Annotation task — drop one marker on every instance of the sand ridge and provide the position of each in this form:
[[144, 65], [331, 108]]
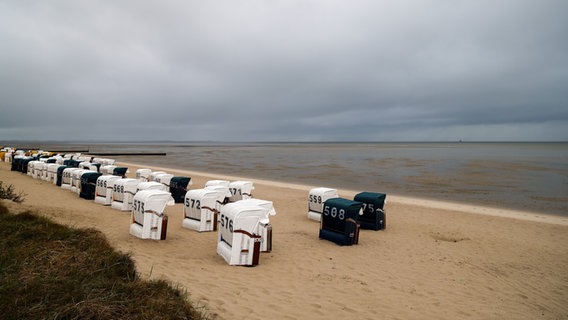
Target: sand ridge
[[433, 261]]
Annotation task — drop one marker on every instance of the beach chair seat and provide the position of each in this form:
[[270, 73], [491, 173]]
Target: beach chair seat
[[200, 211], [316, 199], [89, 184], [104, 189], [143, 174], [374, 214], [123, 193], [264, 226], [178, 186], [147, 218], [240, 190], [150, 185], [238, 240], [339, 221]]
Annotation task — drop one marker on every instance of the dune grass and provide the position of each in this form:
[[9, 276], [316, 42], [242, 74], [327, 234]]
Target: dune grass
[[49, 271]]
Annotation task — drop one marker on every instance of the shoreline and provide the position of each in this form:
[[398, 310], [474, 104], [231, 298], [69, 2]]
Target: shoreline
[[432, 261]]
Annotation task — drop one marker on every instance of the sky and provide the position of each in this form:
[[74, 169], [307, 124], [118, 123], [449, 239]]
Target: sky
[[310, 70]]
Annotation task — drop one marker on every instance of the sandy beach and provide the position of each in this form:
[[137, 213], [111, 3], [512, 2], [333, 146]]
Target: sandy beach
[[435, 260]]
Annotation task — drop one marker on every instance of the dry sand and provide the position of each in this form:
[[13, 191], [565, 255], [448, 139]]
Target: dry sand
[[435, 260]]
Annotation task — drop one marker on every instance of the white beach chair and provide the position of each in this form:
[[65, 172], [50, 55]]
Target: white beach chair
[[52, 172], [147, 218], [238, 238], [264, 226], [153, 174], [104, 189], [143, 174], [200, 210], [316, 198], [164, 178], [66, 177], [224, 193], [212, 183], [76, 179], [123, 193], [240, 190], [150, 185]]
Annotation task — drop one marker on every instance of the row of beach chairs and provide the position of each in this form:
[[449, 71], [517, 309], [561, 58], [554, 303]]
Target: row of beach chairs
[[228, 208], [242, 222]]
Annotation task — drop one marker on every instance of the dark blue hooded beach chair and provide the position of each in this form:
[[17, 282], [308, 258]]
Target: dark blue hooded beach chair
[[178, 188], [374, 215], [339, 221], [89, 185]]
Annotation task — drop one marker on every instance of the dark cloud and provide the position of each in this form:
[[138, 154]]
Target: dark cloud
[[284, 70]]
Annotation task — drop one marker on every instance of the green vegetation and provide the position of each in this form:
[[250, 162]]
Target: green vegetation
[[8, 193], [49, 271]]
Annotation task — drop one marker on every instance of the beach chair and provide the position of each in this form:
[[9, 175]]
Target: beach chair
[[74, 163], [178, 187], [212, 183], [374, 215], [107, 169], [238, 238], [150, 185], [147, 218], [76, 180], [200, 211], [123, 193], [143, 174], [339, 221], [91, 166], [40, 169], [31, 171], [37, 169], [66, 180], [153, 174], [240, 190], [224, 191], [316, 198], [8, 157], [104, 189], [89, 184], [52, 172], [264, 226], [103, 161], [165, 179], [59, 177]]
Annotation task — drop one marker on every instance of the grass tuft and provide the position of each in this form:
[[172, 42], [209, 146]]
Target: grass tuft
[[49, 271], [9, 193]]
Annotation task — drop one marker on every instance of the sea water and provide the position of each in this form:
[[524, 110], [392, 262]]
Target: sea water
[[524, 176]]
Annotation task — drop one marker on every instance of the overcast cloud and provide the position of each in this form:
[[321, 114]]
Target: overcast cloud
[[284, 70]]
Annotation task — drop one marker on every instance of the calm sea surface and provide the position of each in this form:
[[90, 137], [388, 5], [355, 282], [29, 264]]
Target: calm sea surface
[[526, 176]]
